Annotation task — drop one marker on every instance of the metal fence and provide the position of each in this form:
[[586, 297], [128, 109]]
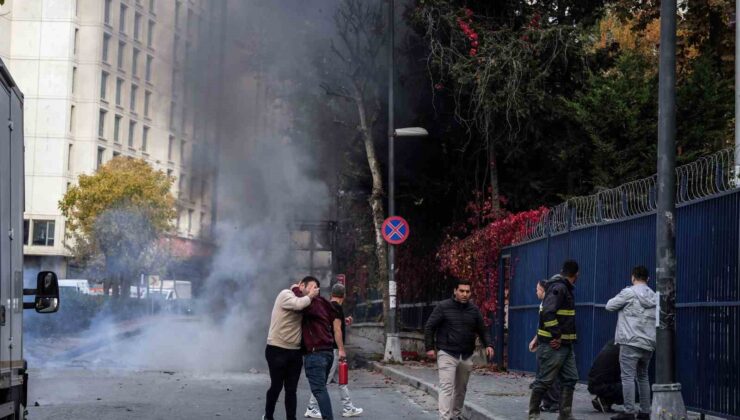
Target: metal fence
[[411, 316], [705, 177], [610, 232]]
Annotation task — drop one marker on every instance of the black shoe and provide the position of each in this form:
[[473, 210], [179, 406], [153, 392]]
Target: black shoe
[[552, 408], [623, 416], [643, 416]]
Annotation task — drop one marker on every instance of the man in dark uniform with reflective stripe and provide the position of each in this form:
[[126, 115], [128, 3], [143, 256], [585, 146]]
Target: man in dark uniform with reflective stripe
[[556, 333]]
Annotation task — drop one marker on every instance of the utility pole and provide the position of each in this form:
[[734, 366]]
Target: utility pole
[[392, 341], [667, 398], [737, 95]]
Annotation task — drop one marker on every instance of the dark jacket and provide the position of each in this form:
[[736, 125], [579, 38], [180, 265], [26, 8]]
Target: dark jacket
[[605, 369], [453, 327], [318, 324], [558, 314]]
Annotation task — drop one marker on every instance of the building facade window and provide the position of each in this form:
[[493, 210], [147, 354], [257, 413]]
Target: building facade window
[[121, 52], [101, 124], [170, 145], [101, 155], [134, 92], [144, 138], [43, 232], [147, 102], [182, 152], [106, 47], [117, 129], [131, 133], [175, 48], [26, 230], [182, 184], [74, 80], [116, 154], [122, 19], [135, 63], [72, 119], [190, 220], [106, 12], [148, 70], [119, 91], [177, 14], [69, 157], [76, 41], [137, 26], [172, 115], [150, 34], [103, 85]]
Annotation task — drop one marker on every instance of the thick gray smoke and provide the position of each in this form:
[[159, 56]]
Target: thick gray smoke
[[267, 181]]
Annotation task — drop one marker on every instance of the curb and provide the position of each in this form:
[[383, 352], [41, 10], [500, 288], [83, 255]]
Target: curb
[[471, 411]]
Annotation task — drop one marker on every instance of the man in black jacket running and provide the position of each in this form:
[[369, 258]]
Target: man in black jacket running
[[453, 325]]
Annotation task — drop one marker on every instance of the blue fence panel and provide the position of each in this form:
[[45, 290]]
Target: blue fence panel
[[708, 293]]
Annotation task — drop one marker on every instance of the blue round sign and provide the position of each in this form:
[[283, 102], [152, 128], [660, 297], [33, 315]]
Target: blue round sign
[[395, 230]]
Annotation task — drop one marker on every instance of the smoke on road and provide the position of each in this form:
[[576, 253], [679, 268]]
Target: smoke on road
[[269, 176]]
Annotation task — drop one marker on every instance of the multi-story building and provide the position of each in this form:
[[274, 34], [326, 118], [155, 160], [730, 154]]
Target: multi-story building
[[104, 78]]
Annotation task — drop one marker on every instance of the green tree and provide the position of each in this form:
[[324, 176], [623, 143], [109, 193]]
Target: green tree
[[115, 217]]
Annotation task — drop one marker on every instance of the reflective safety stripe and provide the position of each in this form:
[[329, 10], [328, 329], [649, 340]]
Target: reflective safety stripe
[[552, 323], [568, 336], [544, 333], [566, 312]]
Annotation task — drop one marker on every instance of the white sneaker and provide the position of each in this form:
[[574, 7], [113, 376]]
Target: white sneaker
[[352, 412], [313, 413]]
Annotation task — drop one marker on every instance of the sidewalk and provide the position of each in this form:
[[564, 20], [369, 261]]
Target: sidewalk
[[491, 395]]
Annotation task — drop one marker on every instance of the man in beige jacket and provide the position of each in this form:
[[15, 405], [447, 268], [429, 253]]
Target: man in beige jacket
[[283, 352]]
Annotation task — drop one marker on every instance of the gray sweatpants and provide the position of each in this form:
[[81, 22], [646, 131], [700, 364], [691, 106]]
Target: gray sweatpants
[[634, 363]]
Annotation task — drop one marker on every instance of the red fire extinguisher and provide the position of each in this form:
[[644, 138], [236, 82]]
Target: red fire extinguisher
[[343, 372]]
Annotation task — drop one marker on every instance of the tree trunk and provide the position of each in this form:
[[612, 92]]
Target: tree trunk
[[375, 201], [493, 169]]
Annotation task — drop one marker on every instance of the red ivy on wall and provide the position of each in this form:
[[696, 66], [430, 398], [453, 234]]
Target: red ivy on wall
[[475, 256]]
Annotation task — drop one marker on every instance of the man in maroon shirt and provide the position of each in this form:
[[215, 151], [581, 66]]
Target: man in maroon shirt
[[318, 345]]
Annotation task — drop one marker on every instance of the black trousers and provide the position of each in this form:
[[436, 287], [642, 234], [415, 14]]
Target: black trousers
[[285, 370]]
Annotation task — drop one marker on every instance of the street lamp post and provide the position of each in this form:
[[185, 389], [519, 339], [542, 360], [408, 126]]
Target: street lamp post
[[392, 341], [667, 399]]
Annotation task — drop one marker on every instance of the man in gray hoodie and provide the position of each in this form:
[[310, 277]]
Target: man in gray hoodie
[[635, 336]]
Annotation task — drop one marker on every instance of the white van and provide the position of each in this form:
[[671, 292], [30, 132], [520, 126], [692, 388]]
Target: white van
[[80, 286]]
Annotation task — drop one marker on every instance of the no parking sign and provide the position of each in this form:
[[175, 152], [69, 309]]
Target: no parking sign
[[395, 230]]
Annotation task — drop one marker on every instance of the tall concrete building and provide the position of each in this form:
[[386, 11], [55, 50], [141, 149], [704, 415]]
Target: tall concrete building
[[104, 78]]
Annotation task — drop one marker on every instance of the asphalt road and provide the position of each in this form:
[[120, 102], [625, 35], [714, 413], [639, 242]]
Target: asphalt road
[[95, 394]]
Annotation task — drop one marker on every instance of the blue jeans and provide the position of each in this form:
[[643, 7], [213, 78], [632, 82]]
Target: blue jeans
[[317, 367]]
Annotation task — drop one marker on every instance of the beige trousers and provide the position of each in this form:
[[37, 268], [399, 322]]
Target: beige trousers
[[453, 383]]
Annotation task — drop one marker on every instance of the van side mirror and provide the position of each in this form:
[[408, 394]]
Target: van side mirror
[[46, 293]]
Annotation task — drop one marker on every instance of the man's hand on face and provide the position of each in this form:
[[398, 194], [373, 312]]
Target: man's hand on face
[[431, 355], [313, 292], [489, 352], [555, 343]]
